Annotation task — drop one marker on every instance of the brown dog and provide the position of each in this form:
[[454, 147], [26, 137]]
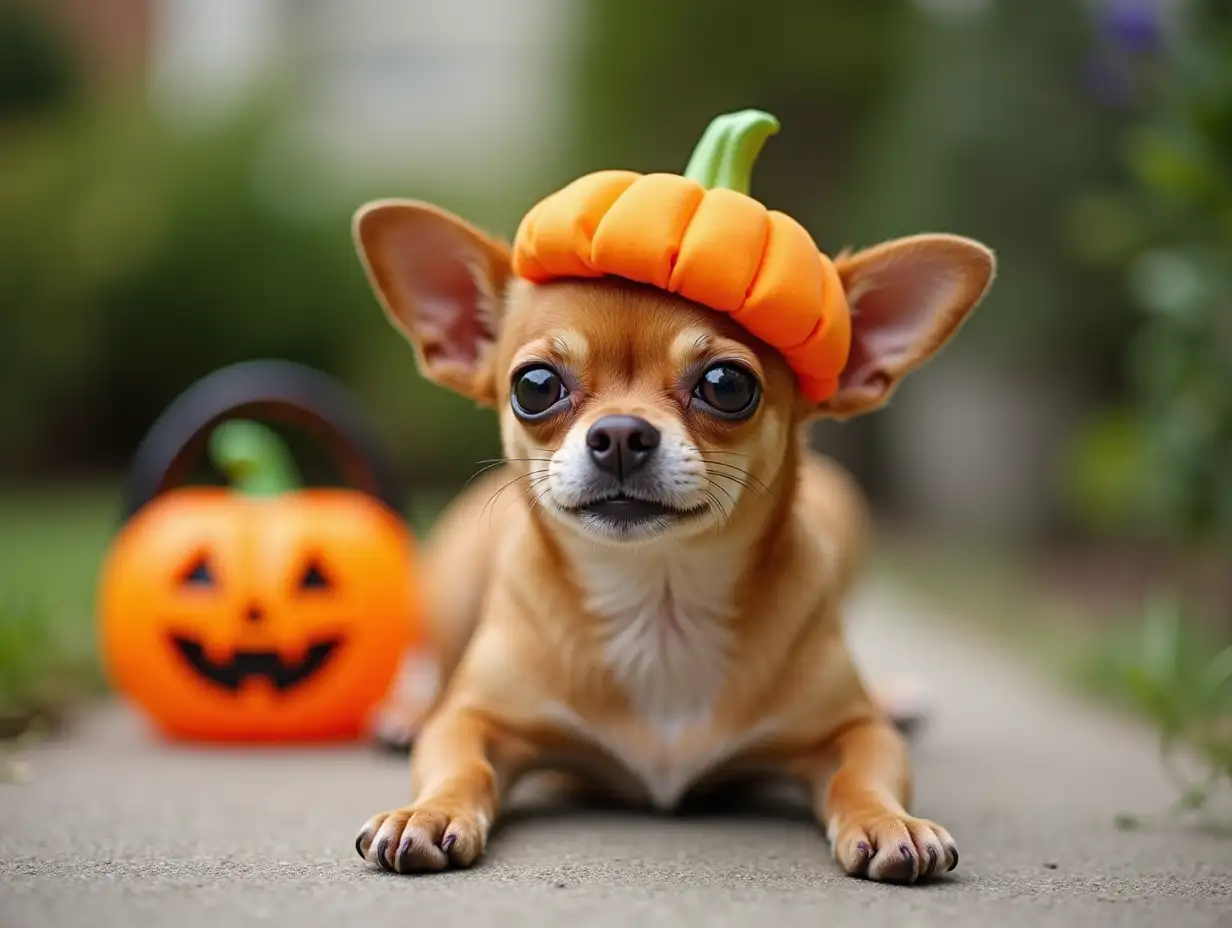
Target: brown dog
[[655, 601]]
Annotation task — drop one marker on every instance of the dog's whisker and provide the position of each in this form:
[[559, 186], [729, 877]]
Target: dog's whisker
[[490, 463], [513, 460], [535, 502], [740, 483], [717, 512], [483, 470], [723, 490], [533, 485], [738, 470], [759, 488], [744, 476], [489, 507]]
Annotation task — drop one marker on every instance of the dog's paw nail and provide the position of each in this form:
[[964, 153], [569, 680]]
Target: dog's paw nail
[[863, 848], [448, 843], [952, 852], [359, 843], [381, 859], [404, 851], [905, 850]]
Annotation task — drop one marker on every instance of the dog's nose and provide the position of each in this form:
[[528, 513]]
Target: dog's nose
[[620, 445]]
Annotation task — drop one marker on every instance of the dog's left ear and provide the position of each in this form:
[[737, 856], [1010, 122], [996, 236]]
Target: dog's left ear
[[907, 297], [442, 283]]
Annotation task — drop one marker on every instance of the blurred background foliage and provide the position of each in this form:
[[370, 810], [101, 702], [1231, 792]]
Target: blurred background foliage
[[139, 255], [1159, 463], [1083, 418]]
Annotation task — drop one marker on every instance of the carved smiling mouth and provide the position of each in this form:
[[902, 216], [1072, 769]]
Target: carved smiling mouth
[[623, 510], [266, 665]]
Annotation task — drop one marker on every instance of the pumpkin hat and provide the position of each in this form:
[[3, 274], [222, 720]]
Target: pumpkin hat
[[701, 235]]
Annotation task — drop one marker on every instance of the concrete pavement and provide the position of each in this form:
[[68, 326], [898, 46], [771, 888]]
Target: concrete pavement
[[115, 829]]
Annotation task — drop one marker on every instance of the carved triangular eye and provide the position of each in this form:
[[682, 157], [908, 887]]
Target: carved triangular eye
[[314, 578], [198, 573]]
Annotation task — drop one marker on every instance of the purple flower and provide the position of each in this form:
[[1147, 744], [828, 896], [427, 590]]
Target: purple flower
[[1134, 25]]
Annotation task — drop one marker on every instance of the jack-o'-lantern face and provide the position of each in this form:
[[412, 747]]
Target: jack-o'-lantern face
[[265, 662], [258, 618]]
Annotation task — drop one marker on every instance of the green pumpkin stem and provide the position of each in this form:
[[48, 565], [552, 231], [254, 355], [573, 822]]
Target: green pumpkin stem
[[728, 149], [254, 458]]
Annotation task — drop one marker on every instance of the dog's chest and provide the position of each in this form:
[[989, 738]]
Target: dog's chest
[[666, 632], [667, 643]]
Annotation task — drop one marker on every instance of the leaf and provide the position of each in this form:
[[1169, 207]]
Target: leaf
[[1161, 639], [1127, 822], [1194, 798], [1168, 283], [1218, 673]]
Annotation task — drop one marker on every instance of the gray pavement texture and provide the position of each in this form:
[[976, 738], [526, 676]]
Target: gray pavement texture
[[114, 828]]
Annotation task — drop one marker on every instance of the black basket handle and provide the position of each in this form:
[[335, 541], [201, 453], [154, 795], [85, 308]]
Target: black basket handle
[[272, 391]]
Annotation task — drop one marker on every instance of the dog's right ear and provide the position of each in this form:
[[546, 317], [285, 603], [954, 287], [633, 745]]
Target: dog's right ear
[[441, 282]]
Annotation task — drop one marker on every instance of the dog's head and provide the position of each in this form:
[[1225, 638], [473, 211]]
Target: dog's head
[[631, 413]]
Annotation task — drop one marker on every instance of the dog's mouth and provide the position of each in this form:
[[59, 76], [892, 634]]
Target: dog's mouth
[[267, 665], [624, 511]]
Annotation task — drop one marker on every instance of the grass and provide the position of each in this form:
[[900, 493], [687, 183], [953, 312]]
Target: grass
[[1170, 671], [52, 541]]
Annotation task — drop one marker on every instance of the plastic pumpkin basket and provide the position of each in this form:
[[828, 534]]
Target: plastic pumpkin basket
[[262, 610]]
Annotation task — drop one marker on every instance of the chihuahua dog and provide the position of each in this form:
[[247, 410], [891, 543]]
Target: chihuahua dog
[[655, 603]]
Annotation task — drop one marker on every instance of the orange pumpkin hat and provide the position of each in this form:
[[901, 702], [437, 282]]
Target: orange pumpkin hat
[[702, 236]]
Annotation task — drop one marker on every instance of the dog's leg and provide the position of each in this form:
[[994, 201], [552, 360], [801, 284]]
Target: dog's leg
[[454, 570], [863, 807], [396, 721], [462, 764]]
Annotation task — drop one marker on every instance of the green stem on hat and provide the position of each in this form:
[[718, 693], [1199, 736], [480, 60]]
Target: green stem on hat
[[729, 147], [254, 458]]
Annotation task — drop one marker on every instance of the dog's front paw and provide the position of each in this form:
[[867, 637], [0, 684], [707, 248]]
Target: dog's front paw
[[422, 838], [894, 848]]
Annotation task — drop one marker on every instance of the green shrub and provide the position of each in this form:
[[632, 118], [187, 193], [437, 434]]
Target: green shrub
[[36, 69], [138, 257], [1175, 234]]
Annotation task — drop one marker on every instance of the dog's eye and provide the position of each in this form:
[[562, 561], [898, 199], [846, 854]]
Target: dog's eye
[[536, 390], [729, 390]]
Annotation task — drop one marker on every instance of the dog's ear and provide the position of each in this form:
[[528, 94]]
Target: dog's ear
[[907, 297], [441, 282]]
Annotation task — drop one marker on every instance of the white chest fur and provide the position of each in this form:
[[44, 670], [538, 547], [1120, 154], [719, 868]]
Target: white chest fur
[[668, 643], [666, 620]]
